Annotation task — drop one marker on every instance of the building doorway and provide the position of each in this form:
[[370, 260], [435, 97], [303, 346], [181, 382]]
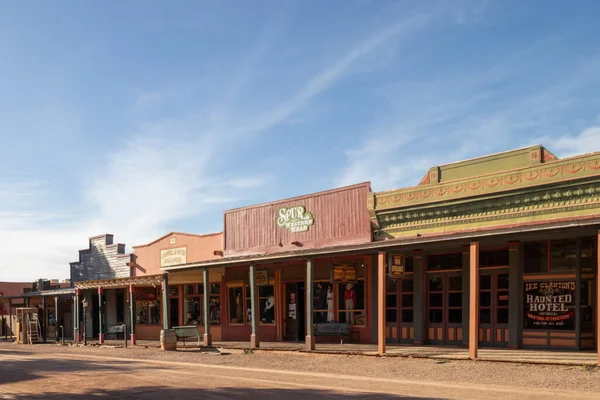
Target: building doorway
[[399, 310], [444, 308], [493, 308], [294, 311]]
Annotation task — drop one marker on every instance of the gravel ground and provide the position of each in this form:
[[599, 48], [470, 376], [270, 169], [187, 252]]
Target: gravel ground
[[526, 375]]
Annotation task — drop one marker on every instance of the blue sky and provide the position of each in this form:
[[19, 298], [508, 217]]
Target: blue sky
[[138, 118]]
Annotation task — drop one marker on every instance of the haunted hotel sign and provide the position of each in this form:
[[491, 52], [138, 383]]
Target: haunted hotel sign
[[296, 219], [550, 305]]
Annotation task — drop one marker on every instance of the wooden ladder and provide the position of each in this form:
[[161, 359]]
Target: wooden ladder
[[33, 329]]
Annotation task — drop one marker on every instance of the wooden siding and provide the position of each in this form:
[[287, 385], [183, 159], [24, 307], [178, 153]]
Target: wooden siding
[[340, 217]]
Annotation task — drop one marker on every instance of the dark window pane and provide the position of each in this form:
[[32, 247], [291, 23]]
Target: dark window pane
[[391, 286], [390, 300], [454, 261], [498, 258], [236, 306], [173, 291], [502, 298], [436, 300], [409, 266], [436, 284], [455, 283], [485, 316], [455, 299], [189, 289], [503, 281], [407, 300], [435, 316], [563, 255], [589, 258], [502, 315], [407, 315], [391, 316], [267, 291], [485, 299], [435, 263], [535, 257], [200, 289], [587, 309], [407, 285], [267, 310], [215, 288], [485, 282], [455, 316]]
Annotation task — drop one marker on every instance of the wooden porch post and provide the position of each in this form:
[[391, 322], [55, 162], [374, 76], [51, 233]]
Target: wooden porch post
[[254, 339], [597, 300], [56, 318], [76, 315], [310, 337], [474, 300], [45, 319], [381, 281], [419, 298], [132, 314], [100, 317], [279, 305], [207, 335]]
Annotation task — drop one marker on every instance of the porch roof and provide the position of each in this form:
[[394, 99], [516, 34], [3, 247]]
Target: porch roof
[[146, 280], [397, 244]]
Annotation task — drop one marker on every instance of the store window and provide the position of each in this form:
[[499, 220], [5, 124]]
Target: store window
[[147, 306], [323, 302], [535, 257], [351, 302], [549, 304], [236, 305], [192, 306], [214, 305], [266, 304], [174, 305], [496, 258], [589, 254], [587, 306], [563, 255], [455, 299], [444, 262]]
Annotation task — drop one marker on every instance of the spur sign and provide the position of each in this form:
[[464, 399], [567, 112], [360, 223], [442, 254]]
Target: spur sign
[[296, 219]]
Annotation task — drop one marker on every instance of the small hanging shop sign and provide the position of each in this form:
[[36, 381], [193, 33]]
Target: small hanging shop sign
[[344, 273], [550, 305], [261, 277], [397, 266], [296, 219]]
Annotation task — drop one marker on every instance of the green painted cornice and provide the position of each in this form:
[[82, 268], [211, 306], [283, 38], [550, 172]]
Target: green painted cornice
[[536, 175], [562, 200]]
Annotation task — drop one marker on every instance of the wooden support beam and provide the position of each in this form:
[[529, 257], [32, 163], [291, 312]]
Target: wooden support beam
[[206, 309], [381, 281], [598, 299], [474, 300], [100, 317], [254, 339], [310, 337]]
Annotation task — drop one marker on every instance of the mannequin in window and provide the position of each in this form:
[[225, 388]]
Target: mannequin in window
[[349, 301], [238, 308], [269, 313], [329, 304]]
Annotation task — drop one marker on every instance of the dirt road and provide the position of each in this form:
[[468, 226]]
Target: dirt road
[[29, 374]]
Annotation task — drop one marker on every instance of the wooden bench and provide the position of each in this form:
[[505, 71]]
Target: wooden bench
[[183, 332], [340, 329], [114, 331]]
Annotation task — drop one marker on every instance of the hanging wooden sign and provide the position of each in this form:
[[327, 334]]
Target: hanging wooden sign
[[397, 265], [344, 273]]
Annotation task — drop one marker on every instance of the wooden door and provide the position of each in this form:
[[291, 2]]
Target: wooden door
[[444, 308], [493, 308], [292, 312]]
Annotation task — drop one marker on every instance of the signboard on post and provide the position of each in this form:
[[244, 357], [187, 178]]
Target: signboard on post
[[344, 273], [261, 277], [296, 219], [397, 265], [549, 305]]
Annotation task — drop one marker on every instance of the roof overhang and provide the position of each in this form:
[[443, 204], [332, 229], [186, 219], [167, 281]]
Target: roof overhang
[[394, 244], [44, 293], [148, 280]]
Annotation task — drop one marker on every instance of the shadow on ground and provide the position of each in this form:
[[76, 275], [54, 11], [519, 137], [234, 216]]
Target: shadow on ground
[[220, 393]]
